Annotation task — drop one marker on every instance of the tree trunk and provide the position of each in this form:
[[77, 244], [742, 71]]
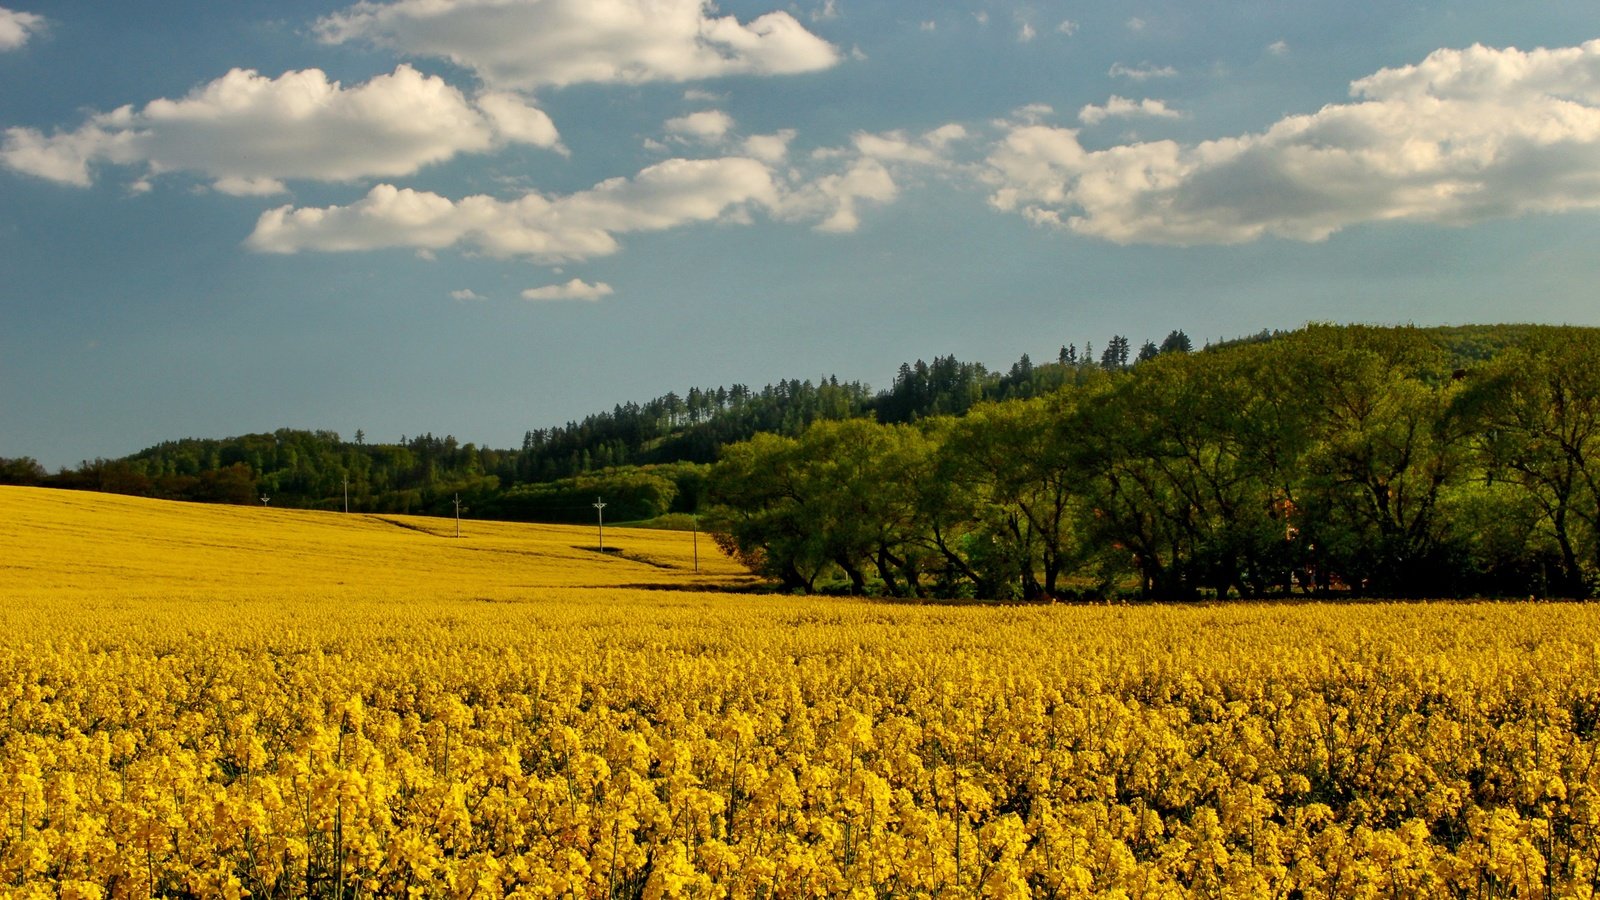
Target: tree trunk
[[858, 581]]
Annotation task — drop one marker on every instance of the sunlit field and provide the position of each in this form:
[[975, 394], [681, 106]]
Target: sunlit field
[[91, 547], [228, 701]]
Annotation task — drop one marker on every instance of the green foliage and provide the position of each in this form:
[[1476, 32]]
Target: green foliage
[[1379, 461], [1394, 461], [630, 494], [24, 470]]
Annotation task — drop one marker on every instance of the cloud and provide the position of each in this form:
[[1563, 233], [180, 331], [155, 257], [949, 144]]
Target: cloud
[[1141, 72], [1031, 114], [828, 189], [828, 10], [466, 295], [545, 229], [865, 173], [17, 27], [895, 146], [770, 148], [707, 126], [1122, 107], [1137, 24], [518, 122], [1026, 33], [527, 44], [576, 289], [1278, 48], [61, 157], [1462, 137], [834, 199], [945, 135], [235, 186], [249, 132], [1067, 27], [927, 149]]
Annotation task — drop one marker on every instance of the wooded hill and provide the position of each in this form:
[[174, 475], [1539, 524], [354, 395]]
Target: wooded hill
[[1389, 462], [635, 451], [1334, 459]]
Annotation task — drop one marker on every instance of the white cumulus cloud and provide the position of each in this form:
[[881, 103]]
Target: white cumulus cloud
[[576, 289], [829, 190], [527, 44], [707, 125], [249, 132], [1122, 107], [865, 172], [516, 121], [1464, 136], [545, 229], [770, 148], [17, 27], [835, 198]]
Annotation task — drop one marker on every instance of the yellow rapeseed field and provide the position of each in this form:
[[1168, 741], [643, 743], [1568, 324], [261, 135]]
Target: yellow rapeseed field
[[210, 701]]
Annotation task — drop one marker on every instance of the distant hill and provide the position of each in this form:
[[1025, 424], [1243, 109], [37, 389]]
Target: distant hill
[[649, 456], [97, 547]]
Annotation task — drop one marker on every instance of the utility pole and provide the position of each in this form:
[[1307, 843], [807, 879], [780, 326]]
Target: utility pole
[[347, 494], [458, 515], [264, 499], [696, 521], [600, 512]]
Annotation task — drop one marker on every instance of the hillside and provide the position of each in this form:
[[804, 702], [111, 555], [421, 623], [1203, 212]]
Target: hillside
[[103, 547], [650, 458]]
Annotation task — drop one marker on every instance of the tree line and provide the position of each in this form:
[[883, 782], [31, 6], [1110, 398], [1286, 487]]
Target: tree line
[[1385, 462], [620, 451], [1333, 459]]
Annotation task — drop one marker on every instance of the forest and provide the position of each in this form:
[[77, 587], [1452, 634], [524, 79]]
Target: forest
[[1378, 462], [637, 450], [1332, 460]]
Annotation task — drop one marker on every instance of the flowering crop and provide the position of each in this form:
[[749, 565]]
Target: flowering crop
[[484, 721]]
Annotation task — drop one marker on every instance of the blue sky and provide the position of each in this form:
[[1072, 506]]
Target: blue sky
[[478, 217]]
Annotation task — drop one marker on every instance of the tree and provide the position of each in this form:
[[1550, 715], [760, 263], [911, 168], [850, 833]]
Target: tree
[[23, 470], [759, 517], [1536, 422], [1115, 356], [1388, 446], [1192, 462], [1015, 460], [234, 484], [856, 483]]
